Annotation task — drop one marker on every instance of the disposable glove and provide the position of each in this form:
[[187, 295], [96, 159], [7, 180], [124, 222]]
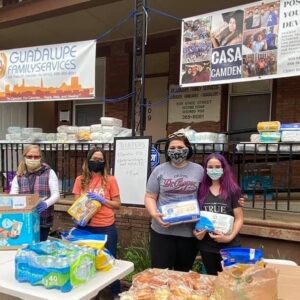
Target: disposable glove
[[96, 197], [79, 223], [41, 207]]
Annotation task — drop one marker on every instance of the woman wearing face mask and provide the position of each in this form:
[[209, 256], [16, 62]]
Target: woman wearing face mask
[[36, 177], [173, 246], [219, 193], [103, 188]]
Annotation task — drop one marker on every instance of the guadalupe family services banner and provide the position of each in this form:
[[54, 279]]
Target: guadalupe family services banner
[[51, 72], [260, 40]]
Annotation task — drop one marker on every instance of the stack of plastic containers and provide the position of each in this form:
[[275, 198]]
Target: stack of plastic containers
[[53, 264]]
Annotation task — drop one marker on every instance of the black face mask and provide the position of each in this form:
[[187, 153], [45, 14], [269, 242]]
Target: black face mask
[[96, 166]]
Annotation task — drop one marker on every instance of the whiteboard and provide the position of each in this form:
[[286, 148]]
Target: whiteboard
[[131, 168]]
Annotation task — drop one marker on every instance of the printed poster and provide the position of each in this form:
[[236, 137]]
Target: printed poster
[[48, 73], [260, 40]]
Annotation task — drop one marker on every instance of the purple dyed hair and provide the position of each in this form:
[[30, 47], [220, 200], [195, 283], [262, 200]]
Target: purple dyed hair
[[229, 186]]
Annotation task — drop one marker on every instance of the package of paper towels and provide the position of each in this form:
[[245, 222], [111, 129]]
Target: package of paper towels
[[180, 212], [214, 222]]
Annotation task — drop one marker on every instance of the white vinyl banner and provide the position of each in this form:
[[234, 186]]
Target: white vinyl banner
[[51, 72], [260, 40]]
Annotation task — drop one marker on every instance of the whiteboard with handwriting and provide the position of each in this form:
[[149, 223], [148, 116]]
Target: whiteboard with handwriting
[[131, 168]]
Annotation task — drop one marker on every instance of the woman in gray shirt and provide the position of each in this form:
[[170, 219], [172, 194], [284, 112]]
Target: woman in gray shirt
[[173, 246]]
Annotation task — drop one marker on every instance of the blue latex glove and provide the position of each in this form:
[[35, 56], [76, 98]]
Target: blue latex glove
[[79, 223], [96, 197], [41, 207]]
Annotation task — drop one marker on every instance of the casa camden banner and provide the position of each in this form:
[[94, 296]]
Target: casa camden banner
[[260, 40], [48, 73]]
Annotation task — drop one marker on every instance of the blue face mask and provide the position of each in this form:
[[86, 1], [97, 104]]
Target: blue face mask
[[215, 174]]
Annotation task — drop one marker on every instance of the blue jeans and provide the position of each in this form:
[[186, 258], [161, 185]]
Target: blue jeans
[[111, 246]]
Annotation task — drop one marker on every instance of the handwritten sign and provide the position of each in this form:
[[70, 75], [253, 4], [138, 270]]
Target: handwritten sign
[[194, 104], [131, 168]]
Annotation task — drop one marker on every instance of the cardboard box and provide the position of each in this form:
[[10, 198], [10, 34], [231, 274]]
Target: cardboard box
[[19, 221]]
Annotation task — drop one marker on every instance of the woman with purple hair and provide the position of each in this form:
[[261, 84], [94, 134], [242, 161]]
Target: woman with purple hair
[[218, 193]]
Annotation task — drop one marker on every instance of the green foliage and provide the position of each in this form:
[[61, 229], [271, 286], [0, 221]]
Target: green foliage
[[139, 255], [198, 266]]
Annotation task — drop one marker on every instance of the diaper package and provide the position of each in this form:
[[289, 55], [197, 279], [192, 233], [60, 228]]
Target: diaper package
[[268, 126], [213, 222], [180, 212], [83, 209], [269, 137], [234, 256]]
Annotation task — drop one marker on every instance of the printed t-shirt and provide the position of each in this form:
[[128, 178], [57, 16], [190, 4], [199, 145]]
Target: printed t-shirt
[[173, 185], [105, 215], [218, 205]]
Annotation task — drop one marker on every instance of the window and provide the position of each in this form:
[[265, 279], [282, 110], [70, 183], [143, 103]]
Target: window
[[88, 112], [249, 103]]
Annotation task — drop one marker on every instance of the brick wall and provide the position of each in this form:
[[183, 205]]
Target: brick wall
[[288, 100]]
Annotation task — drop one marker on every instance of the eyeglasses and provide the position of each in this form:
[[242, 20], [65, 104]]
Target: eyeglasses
[[32, 156], [179, 134]]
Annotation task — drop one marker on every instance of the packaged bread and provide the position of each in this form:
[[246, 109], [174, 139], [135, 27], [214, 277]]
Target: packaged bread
[[268, 126]]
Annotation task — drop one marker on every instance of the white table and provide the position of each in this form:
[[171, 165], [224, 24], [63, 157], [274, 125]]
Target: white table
[[10, 286], [7, 255]]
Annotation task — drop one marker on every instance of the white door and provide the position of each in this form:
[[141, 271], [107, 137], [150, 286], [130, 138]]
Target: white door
[[156, 93], [12, 114]]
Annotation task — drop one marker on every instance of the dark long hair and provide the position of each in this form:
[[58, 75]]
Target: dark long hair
[[229, 185], [86, 173]]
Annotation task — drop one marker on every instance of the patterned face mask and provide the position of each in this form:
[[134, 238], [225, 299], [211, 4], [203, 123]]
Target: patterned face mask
[[215, 174], [177, 156]]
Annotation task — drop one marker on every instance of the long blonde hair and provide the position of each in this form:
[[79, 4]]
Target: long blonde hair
[[87, 174], [22, 169]]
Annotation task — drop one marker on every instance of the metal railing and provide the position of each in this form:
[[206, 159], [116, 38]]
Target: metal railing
[[269, 174]]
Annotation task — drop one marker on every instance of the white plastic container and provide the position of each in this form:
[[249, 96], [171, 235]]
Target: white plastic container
[[62, 137], [206, 137], [51, 137], [30, 130], [96, 128], [84, 129], [72, 129], [97, 136], [114, 130], [108, 121], [14, 129]]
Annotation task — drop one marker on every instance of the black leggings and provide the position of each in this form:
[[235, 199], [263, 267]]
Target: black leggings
[[212, 262], [172, 252]]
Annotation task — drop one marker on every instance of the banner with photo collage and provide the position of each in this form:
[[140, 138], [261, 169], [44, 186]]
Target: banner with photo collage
[[260, 40]]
